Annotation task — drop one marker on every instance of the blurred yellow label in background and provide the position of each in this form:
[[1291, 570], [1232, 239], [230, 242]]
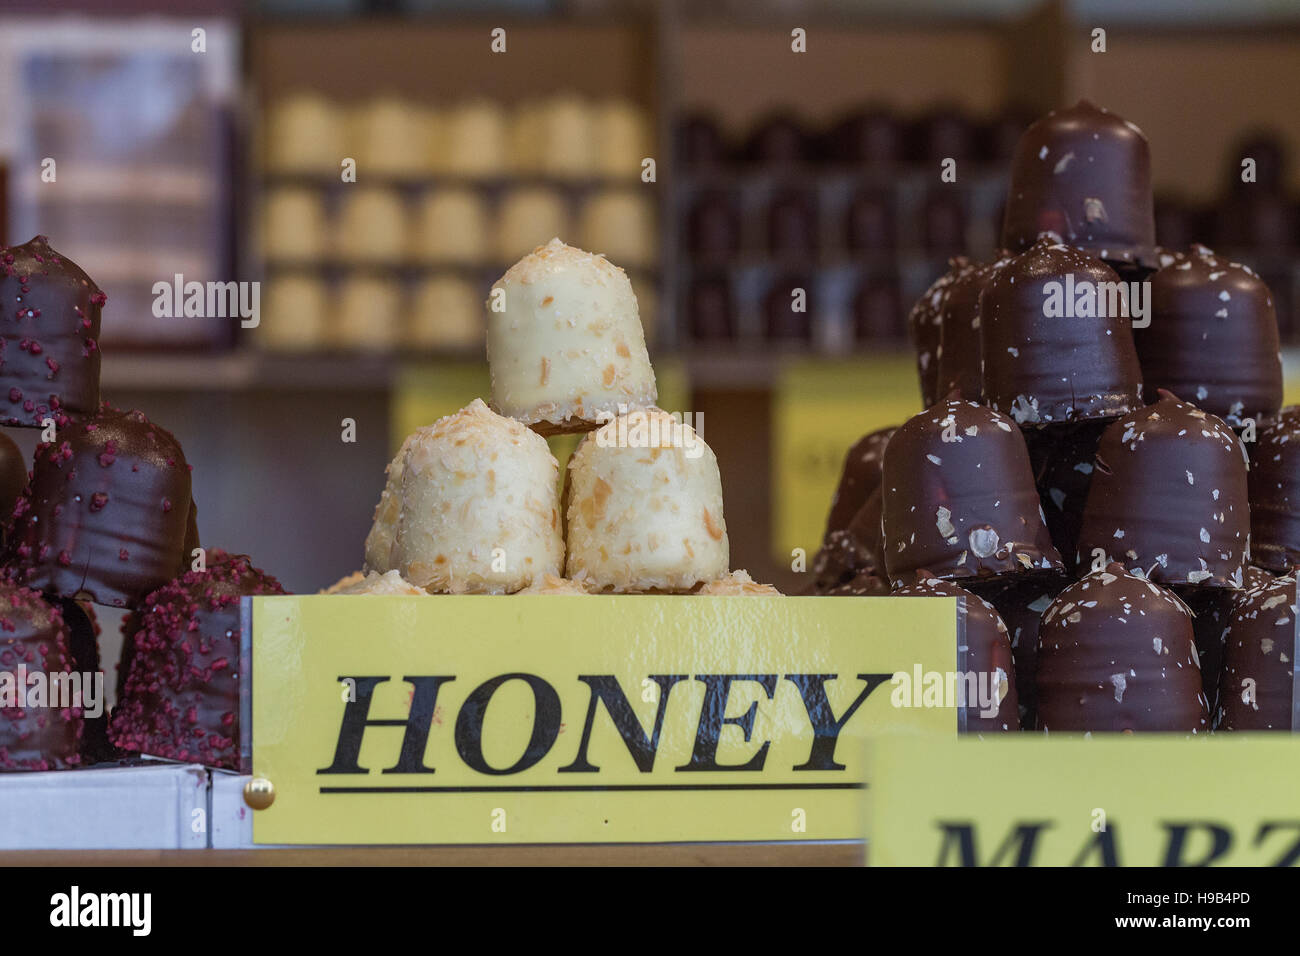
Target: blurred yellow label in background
[[819, 409], [1030, 800], [426, 391], [1290, 376], [573, 719]]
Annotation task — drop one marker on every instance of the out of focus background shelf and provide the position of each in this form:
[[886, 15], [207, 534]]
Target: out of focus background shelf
[[773, 172], [249, 371], [253, 371]]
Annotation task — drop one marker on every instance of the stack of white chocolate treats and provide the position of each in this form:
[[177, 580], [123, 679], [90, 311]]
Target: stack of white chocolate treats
[[472, 503]]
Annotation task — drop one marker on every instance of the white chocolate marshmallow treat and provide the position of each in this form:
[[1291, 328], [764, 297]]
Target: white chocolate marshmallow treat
[[565, 342], [372, 226], [451, 226], [295, 317], [304, 134], [391, 137], [526, 216], [293, 226], [644, 507], [739, 584], [473, 140], [621, 224], [379, 542], [446, 313], [476, 507], [623, 139], [374, 583], [368, 315], [550, 584]]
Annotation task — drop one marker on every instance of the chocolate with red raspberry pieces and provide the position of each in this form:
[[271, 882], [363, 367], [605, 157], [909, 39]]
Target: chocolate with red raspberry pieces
[[13, 479], [49, 337], [108, 512], [180, 696], [34, 641]]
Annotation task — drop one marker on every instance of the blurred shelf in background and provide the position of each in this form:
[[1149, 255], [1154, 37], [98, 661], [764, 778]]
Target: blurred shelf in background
[[775, 174]]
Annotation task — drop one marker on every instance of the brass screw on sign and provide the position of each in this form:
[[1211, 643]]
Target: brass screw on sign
[[259, 793]]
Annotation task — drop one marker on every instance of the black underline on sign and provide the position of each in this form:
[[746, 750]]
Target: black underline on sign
[[602, 788]]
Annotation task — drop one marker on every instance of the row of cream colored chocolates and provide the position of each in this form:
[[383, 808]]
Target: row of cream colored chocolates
[[471, 504], [565, 135], [453, 225], [374, 313]]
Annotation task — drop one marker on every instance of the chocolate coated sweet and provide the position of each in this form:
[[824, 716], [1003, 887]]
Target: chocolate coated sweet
[[107, 514], [1213, 337], [792, 223], [13, 478], [1051, 353], [1115, 654], [780, 319], [959, 497], [923, 325], [83, 643], [960, 371], [1169, 498], [1211, 611], [1020, 602], [1085, 174], [860, 476], [779, 140], [1275, 492], [700, 142], [867, 528], [1062, 458], [34, 640], [877, 307], [988, 654], [710, 309], [943, 221], [850, 552], [999, 137], [869, 224], [945, 132], [181, 693], [841, 558], [871, 137], [1256, 220], [1259, 659], [862, 584], [49, 336], [1178, 224], [713, 226]]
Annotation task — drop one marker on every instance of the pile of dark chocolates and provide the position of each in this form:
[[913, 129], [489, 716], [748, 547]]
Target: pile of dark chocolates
[[105, 516], [1101, 460]]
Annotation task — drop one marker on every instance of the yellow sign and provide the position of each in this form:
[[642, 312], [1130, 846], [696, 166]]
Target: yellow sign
[[426, 391], [820, 408], [1113, 800], [569, 719]]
